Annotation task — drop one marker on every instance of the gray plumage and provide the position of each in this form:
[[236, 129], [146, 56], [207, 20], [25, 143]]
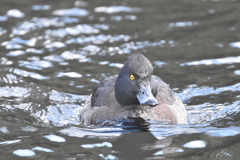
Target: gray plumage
[[114, 99]]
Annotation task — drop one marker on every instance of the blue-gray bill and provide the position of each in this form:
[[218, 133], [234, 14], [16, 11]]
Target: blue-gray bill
[[145, 96]]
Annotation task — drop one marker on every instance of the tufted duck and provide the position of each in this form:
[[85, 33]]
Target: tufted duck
[[134, 93]]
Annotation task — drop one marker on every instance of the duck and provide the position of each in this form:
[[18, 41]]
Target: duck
[[134, 93]]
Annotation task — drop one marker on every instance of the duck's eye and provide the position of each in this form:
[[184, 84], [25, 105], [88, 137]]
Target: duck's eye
[[131, 77]]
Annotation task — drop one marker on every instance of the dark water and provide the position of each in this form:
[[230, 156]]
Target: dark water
[[54, 52]]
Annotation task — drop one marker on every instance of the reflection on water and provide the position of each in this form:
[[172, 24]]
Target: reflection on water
[[53, 54], [216, 61], [182, 24], [24, 153], [70, 12], [15, 13], [235, 44], [116, 9], [41, 7]]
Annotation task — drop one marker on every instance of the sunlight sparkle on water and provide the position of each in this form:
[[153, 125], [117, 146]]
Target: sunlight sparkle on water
[[55, 45], [69, 74], [10, 142], [24, 153], [40, 7], [195, 144], [235, 45], [15, 13], [217, 61], [108, 157], [116, 9], [16, 53], [42, 149], [55, 138], [3, 18], [71, 12], [224, 132], [104, 144], [100, 132], [29, 74], [183, 24], [74, 31]]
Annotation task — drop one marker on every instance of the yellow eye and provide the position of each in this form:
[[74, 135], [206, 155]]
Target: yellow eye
[[131, 77]]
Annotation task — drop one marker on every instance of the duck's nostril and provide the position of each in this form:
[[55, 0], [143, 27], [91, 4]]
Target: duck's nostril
[[143, 92]]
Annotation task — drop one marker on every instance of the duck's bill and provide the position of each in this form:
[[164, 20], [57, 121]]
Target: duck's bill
[[145, 96]]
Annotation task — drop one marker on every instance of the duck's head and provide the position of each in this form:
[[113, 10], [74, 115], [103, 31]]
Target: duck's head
[[133, 85]]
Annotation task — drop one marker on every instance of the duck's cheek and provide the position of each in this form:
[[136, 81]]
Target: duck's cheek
[[135, 88]]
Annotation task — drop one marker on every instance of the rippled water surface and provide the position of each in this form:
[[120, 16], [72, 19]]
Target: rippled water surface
[[54, 52]]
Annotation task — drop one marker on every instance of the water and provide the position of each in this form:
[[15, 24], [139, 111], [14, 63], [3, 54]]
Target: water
[[53, 54]]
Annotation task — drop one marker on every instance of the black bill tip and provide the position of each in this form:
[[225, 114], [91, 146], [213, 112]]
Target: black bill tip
[[151, 102]]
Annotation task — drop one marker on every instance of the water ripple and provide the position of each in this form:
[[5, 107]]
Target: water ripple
[[193, 90], [52, 45], [70, 12], [42, 149], [15, 53], [29, 74], [5, 61], [24, 153], [69, 55], [104, 144], [74, 31], [16, 41], [55, 138], [3, 18], [235, 45], [59, 97], [2, 31], [10, 142], [41, 7], [10, 79], [224, 132], [13, 92], [33, 50], [36, 23], [69, 74], [36, 65], [15, 13], [195, 144], [116, 9], [98, 132], [99, 39], [91, 49], [183, 24], [216, 61]]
